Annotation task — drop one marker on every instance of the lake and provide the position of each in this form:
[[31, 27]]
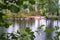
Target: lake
[[34, 24]]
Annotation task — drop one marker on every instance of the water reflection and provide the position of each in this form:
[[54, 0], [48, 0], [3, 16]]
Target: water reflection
[[13, 28], [34, 24]]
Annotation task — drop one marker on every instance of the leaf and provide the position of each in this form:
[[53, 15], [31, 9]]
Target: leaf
[[23, 35], [6, 25], [1, 15], [14, 9], [13, 36], [56, 27], [29, 38], [58, 33], [32, 1], [18, 32], [49, 30], [41, 26], [5, 1], [2, 6], [19, 2], [31, 33], [24, 6], [27, 30], [23, 31], [42, 1]]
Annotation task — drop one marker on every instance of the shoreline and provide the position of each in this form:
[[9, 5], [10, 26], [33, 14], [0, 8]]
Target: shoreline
[[34, 17]]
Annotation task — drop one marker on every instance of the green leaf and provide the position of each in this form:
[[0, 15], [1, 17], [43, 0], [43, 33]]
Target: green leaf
[[41, 26], [49, 30], [18, 32], [1, 15], [29, 38], [32, 1], [19, 2], [23, 35], [56, 27], [58, 33], [42, 1], [2, 6], [13, 36], [31, 33], [24, 6], [27, 30], [14, 9], [6, 25]]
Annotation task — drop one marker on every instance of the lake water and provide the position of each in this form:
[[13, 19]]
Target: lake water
[[34, 24]]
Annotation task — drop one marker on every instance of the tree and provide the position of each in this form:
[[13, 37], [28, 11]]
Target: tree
[[14, 6]]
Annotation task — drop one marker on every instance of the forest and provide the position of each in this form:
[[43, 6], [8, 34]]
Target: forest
[[10, 10]]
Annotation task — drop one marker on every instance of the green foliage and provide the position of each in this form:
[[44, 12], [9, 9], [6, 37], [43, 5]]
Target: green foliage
[[22, 35], [32, 1], [58, 33], [25, 6], [2, 6], [27, 33], [3, 20], [41, 26], [49, 30], [14, 9], [15, 5], [56, 27]]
